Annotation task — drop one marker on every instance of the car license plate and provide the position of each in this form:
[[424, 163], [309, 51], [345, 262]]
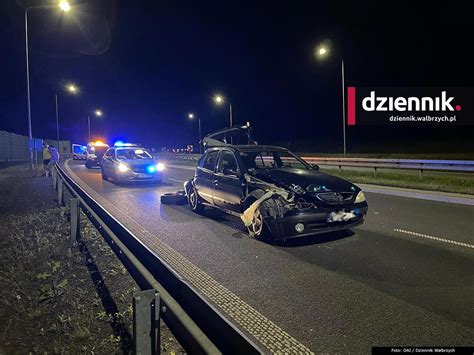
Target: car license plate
[[340, 216], [144, 176]]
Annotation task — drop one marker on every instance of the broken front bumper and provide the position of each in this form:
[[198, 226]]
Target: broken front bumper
[[314, 221]]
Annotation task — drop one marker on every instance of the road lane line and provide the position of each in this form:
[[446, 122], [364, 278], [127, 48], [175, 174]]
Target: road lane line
[[443, 240], [247, 318]]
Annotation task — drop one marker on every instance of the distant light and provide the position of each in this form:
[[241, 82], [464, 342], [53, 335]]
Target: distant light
[[191, 115], [160, 166], [139, 151], [123, 168], [71, 88], [218, 99], [64, 6], [98, 113], [321, 51]]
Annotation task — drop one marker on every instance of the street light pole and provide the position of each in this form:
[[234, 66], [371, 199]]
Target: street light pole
[[200, 136], [64, 6], [89, 126], [321, 52], [30, 131], [230, 119], [57, 120], [343, 109]]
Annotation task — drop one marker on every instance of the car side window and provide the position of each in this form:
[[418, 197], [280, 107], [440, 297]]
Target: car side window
[[210, 160], [227, 161], [108, 154], [264, 160]]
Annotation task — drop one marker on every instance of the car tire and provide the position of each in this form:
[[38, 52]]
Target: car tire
[[104, 176], [174, 198], [88, 166], [193, 200]]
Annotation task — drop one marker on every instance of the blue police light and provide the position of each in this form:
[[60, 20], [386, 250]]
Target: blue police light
[[151, 168], [119, 144]]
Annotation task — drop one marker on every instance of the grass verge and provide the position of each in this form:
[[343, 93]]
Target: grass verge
[[54, 297]]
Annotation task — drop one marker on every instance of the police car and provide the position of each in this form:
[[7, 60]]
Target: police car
[[126, 162]]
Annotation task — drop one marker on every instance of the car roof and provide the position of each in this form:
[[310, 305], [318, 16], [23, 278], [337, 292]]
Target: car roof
[[251, 148]]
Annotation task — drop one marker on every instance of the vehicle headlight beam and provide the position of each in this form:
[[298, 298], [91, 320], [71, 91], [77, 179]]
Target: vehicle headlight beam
[[123, 167]]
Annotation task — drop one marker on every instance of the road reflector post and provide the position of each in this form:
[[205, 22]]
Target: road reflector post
[[375, 171], [146, 322], [75, 220], [421, 174], [60, 192]]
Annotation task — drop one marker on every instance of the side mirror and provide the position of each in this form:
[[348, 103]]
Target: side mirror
[[315, 166], [228, 171]]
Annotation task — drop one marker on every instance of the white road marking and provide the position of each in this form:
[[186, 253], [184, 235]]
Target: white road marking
[[444, 240]]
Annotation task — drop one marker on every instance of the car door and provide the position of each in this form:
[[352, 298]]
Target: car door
[[107, 161], [205, 175], [228, 188]]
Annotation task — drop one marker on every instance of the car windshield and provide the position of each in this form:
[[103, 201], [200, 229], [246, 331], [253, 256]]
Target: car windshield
[[272, 159], [99, 150], [132, 154]]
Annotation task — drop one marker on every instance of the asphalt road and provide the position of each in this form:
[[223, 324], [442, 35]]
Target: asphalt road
[[387, 282]]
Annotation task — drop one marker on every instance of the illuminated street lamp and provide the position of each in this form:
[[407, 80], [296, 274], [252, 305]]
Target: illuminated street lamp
[[191, 117], [322, 52], [64, 6], [97, 113], [220, 100], [72, 90]]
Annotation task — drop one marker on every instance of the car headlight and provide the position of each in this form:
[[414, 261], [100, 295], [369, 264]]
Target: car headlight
[[160, 166], [92, 156], [360, 197], [123, 168]]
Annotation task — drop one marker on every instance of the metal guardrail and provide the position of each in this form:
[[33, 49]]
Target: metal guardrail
[[196, 324], [466, 166]]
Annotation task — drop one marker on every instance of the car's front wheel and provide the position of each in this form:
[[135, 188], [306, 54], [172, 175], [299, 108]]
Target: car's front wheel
[[193, 200], [104, 176], [88, 165]]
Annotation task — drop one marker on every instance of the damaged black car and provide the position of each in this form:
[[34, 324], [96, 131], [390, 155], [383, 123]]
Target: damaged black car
[[275, 193]]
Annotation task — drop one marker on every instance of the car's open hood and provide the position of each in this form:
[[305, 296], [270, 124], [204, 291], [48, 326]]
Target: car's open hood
[[223, 137]]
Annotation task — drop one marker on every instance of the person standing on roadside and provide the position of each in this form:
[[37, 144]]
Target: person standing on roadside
[[46, 159], [54, 157]]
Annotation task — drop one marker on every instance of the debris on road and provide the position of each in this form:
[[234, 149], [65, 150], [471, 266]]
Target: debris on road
[[174, 198]]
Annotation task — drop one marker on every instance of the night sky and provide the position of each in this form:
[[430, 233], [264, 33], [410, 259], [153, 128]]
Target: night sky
[[146, 64]]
